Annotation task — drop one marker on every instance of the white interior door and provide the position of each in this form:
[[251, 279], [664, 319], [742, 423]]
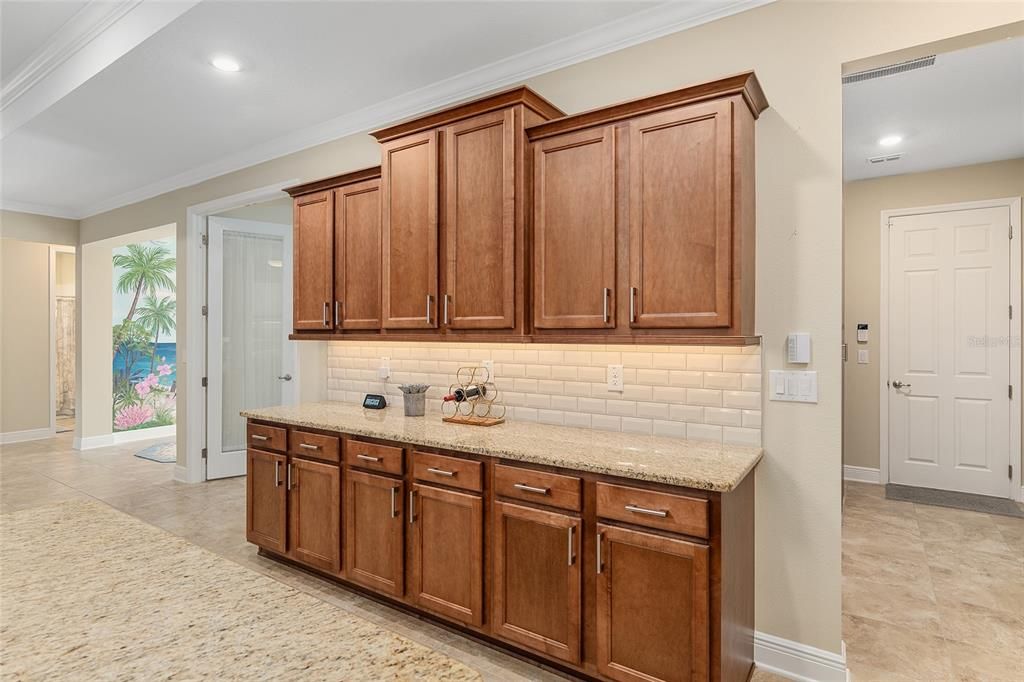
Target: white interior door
[[250, 361], [949, 350]]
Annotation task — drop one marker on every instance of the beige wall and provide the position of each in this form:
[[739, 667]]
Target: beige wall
[[276, 211], [38, 228], [94, 390], [798, 50], [64, 273], [863, 202], [24, 336]]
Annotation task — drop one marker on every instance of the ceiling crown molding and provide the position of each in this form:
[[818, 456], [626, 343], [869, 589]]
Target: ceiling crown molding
[[658, 21], [40, 209]]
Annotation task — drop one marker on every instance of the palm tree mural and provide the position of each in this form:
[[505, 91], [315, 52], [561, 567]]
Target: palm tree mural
[[146, 268], [157, 317]]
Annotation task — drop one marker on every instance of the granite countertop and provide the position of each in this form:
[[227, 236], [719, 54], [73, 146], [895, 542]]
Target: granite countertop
[[693, 464]]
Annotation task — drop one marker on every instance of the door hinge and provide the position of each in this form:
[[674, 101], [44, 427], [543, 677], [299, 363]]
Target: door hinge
[[1011, 312], [204, 382], [206, 310], [204, 453], [206, 240], [1011, 231], [1010, 391], [845, 352], [1009, 471]]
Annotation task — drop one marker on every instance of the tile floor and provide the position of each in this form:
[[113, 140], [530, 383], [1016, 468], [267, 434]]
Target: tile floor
[[931, 593], [928, 593]]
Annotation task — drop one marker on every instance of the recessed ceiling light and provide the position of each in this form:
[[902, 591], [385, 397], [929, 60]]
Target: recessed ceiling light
[[226, 64], [890, 140]]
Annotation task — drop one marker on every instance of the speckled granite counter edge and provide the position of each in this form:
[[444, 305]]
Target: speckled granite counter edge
[[713, 484]]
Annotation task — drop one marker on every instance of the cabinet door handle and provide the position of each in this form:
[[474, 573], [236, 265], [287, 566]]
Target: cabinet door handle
[[257, 436], [327, 311], [288, 477], [337, 313], [295, 476], [368, 458], [309, 446], [600, 564], [430, 303], [572, 554], [442, 472], [660, 513], [394, 509], [632, 304], [412, 515], [531, 489], [606, 293], [446, 299], [277, 473]]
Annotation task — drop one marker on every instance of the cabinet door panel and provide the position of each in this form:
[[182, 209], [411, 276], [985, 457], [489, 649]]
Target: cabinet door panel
[[313, 273], [447, 554], [374, 552], [266, 500], [652, 607], [409, 186], [357, 257], [680, 217], [314, 514], [537, 580], [574, 230], [480, 223]]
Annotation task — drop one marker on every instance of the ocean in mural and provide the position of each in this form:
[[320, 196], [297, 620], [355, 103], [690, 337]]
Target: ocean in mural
[[144, 335]]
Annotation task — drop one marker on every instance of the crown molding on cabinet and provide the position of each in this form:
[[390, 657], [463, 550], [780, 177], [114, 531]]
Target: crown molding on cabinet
[[333, 181], [658, 21]]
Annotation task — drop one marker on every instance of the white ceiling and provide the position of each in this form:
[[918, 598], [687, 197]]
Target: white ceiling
[[157, 117], [25, 26], [967, 108]]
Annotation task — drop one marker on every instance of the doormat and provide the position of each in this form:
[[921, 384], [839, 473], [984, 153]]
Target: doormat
[[165, 453], [949, 498]]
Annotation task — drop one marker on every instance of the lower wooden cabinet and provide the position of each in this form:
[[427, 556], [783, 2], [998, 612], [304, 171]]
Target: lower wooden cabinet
[[266, 509], [447, 572], [537, 580], [314, 514], [374, 552], [652, 607]]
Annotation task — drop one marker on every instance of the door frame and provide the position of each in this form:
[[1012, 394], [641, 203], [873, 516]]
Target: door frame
[[52, 293], [1013, 204], [192, 432]]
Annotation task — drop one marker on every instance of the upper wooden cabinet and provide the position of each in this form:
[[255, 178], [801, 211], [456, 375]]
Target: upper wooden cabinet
[[313, 274], [454, 215], [648, 205]]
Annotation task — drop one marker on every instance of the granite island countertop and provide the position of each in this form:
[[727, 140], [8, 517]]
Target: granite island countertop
[[675, 461]]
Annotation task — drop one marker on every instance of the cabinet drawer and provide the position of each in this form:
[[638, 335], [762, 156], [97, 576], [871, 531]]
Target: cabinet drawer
[[314, 445], [676, 513], [267, 437], [457, 473], [541, 487], [386, 458]]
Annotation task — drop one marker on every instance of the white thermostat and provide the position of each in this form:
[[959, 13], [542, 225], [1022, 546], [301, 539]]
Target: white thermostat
[[798, 348]]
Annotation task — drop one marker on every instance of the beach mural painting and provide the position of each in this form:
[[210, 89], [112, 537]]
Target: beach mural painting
[[145, 357]]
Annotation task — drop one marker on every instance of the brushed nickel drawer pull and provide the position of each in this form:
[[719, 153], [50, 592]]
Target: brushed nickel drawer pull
[[430, 303], [531, 489], [600, 564], [277, 473], [394, 509], [369, 458], [337, 313], [606, 293], [327, 312], [309, 446], [442, 472], [412, 507], [257, 436], [660, 513], [572, 554], [447, 298], [288, 472], [632, 304]]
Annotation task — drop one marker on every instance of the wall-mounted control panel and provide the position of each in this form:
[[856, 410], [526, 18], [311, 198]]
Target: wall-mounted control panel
[[798, 348], [862, 332], [793, 387]]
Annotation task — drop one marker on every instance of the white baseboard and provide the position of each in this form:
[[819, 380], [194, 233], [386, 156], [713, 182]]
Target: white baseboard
[[28, 434], [93, 442], [862, 474], [145, 434], [181, 474], [798, 661]]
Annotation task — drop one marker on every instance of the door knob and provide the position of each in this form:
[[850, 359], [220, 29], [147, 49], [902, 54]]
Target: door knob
[[286, 377], [899, 384]]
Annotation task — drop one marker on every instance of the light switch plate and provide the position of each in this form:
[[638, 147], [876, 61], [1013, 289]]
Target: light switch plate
[[615, 381], [862, 356], [793, 387]]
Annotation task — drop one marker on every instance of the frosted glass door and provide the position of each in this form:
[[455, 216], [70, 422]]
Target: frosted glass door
[[250, 361]]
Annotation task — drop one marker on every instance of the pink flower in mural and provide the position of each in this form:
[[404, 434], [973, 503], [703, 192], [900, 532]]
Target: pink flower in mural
[[164, 370], [132, 416], [142, 389]]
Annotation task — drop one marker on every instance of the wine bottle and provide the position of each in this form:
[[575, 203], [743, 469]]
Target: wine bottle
[[465, 393]]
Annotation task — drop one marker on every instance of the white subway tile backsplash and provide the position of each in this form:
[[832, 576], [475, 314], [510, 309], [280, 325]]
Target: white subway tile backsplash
[[699, 392]]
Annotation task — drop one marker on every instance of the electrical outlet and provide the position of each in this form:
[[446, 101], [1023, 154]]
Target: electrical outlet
[[384, 369], [615, 382], [489, 366]]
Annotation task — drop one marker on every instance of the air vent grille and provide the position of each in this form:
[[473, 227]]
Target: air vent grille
[[891, 70], [885, 158]]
